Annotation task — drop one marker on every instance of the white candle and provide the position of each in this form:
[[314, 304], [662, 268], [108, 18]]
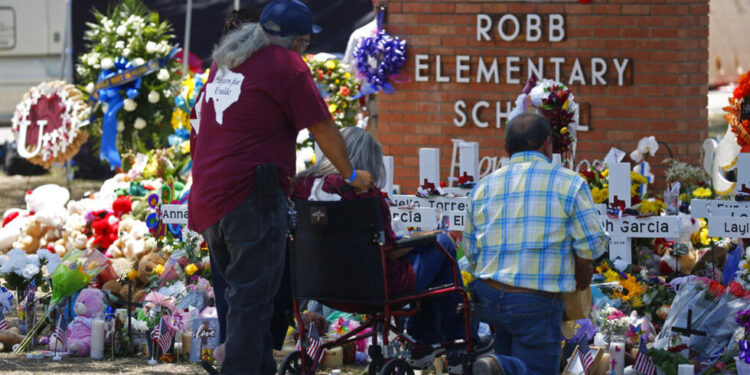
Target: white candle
[[685, 369], [617, 357], [97, 339]]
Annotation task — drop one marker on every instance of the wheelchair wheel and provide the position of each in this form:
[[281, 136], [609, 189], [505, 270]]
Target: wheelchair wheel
[[397, 366], [292, 364], [376, 360]]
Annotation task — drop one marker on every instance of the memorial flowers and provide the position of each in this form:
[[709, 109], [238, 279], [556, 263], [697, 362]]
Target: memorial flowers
[[19, 269], [740, 126], [337, 86], [129, 36]]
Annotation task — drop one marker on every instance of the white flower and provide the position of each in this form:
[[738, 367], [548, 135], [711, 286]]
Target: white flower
[[52, 262], [153, 97], [92, 59], [29, 271], [4, 264], [129, 105], [121, 30], [139, 123], [81, 70], [43, 253], [167, 93], [164, 47], [175, 290], [120, 44], [138, 61], [120, 126], [139, 325], [126, 52], [163, 75], [151, 47], [16, 254], [108, 63], [33, 259], [90, 87]]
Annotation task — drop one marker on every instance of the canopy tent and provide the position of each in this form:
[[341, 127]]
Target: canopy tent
[[728, 55]]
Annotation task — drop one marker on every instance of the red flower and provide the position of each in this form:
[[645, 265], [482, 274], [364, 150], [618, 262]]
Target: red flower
[[320, 74], [716, 289], [344, 91]]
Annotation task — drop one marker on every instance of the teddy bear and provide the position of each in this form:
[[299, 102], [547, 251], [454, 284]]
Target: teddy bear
[[89, 304], [104, 226], [73, 236], [147, 264], [29, 238], [131, 241], [14, 220], [9, 338]]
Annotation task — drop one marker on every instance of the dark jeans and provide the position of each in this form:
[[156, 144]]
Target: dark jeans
[[247, 248], [438, 320], [282, 306], [527, 327]]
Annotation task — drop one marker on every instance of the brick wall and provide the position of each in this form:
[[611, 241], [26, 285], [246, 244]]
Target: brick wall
[[663, 92]]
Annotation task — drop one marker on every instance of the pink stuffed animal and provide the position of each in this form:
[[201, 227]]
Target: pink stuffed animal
[[89, 305]]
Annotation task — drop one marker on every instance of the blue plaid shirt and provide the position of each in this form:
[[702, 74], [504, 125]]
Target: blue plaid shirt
[[526, 220]]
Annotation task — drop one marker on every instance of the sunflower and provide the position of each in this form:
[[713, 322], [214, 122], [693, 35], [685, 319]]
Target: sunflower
[[631, 289]]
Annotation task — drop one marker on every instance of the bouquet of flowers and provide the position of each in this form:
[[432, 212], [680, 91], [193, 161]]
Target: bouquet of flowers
[[19, 269], [554, 101], [141, 110], [337, 86], [613, 321], [598, 183], [158, 163], [734, 112], [185, 100]]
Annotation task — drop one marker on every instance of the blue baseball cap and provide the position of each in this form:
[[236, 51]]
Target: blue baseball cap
[[288, 17]]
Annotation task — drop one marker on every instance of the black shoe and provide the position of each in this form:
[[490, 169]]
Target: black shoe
[[483, 344], [209, 368]]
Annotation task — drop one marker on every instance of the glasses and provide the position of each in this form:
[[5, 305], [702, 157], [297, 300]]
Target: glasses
[[304, 44]]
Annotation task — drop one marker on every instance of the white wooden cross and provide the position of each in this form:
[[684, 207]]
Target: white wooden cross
[[728, 218], [622, 230]]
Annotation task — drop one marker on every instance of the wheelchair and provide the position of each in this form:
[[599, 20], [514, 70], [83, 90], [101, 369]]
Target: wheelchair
[[337, 258]]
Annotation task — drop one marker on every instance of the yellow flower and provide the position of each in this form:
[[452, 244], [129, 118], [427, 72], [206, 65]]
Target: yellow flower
[[158, 269], [602, 268], [332, 107], [605, 173], [347, 75], [132, 275], [638, 178], [330, 64], [566, 105], [564, 130], [180, 118], [630, 289], [600, 195], [652, 206], [467, 278], [702, 192], [185, 147], [611, 276], [151, 168], [191, 269], [336, 81]]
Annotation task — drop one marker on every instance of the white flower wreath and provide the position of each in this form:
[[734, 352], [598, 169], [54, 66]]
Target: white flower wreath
[[61, 142]]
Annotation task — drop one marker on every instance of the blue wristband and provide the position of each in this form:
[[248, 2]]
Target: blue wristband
[[353, 177]]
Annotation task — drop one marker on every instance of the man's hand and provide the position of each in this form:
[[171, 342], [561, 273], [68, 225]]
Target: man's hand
[[584, 271], [363, 182]]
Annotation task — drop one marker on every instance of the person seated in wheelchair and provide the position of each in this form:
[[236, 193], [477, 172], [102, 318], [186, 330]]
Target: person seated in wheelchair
[[409, 269]]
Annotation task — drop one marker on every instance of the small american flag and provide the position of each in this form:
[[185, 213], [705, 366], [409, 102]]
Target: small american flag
[[30, 294], [3, 323], [584, 354], [163, 335], [61, 331], [643, 363], [315, 349]]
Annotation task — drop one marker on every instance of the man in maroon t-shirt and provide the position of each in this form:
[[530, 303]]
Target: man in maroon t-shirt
[[259, 94]]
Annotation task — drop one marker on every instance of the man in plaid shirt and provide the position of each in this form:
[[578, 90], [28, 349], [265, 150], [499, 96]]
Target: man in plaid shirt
[[532, 233]]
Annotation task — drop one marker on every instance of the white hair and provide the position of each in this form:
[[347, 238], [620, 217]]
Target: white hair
[[238, 45]]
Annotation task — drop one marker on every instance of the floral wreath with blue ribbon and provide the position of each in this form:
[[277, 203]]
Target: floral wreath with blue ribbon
[[378, 59], [109, 84]]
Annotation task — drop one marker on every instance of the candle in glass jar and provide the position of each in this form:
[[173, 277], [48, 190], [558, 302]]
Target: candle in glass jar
[[617, 357], [97, 339]]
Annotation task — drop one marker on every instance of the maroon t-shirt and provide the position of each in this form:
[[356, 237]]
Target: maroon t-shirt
[[401, 276], [247, 116]]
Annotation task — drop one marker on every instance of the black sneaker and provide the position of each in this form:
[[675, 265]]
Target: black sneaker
[[486, 365], [423, 359], [483, 344]]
